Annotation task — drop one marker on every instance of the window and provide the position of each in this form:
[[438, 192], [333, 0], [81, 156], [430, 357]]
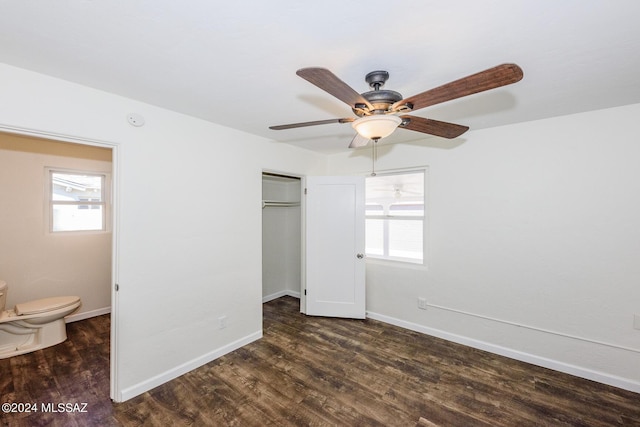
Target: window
[[395, 216], [77, 201]]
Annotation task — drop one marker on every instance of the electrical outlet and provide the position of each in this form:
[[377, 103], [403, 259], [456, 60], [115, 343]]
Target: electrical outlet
[[422, 303], [222, 322], [636, 321]]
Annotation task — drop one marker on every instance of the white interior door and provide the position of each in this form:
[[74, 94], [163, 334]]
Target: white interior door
[[334, 235]]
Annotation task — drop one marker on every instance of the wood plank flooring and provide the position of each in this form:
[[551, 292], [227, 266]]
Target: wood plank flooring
[[314, 371]]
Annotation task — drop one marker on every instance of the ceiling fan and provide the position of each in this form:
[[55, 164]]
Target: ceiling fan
[[379, 112]]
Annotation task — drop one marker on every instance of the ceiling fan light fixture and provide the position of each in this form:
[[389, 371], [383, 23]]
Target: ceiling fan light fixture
[[376, 126]]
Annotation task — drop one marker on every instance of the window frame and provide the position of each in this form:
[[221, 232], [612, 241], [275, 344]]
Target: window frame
[[105, 202], [387, 218]]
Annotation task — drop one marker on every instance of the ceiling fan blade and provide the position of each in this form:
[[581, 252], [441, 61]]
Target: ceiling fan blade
[[330, 83], [433, 127], [358, 141], [492, 78], [317, 122]]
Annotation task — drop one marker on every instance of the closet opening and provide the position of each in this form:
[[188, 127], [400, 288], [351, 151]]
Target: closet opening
[[281, 236]]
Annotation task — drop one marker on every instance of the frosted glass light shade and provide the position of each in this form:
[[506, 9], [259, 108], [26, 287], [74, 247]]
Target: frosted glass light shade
[[376, 126]]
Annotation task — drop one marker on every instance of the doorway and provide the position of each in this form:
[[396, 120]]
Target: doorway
[[28, 153], [281, 236], [314, 250]]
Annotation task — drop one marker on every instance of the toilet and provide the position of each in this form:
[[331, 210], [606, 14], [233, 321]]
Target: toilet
[[33, 325]]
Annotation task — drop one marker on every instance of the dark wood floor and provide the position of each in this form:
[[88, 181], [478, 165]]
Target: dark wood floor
[[314, 371]]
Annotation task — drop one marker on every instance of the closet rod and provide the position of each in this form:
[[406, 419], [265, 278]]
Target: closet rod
[[271, 203], [278, 175]]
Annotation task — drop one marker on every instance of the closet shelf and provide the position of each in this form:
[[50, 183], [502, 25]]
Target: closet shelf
[[278, 204]]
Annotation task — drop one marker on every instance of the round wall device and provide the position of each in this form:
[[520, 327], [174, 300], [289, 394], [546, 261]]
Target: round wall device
[[135, 119]]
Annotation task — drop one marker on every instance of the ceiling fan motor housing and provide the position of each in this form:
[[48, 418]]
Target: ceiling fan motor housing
[[380, 99]]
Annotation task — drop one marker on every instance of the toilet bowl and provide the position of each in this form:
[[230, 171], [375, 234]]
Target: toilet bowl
[[33, 325]]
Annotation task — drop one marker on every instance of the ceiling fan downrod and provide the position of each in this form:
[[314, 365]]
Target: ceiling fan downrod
[[377, 79]]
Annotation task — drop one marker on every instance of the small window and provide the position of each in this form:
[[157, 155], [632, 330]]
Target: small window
[[395, 216], [77, 201]]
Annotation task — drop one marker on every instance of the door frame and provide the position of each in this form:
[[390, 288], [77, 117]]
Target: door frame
[[303, 184], [114, 392]]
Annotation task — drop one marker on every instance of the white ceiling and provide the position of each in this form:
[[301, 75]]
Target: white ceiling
[[234, 63]]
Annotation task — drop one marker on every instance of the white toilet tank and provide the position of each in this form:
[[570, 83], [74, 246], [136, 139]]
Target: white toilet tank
[[3, 294]]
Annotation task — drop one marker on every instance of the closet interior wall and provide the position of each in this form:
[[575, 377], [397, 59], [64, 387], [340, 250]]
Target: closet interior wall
[[281, 236]]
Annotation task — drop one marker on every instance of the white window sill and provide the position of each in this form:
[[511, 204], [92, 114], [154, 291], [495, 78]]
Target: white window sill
[[396, 263]]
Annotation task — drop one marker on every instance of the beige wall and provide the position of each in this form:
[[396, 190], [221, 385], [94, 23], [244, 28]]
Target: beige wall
[[38, 264]]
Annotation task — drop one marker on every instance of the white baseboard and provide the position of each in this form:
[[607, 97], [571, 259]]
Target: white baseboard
[[87, 314], [162, 378], [280, 294], [577, 371]]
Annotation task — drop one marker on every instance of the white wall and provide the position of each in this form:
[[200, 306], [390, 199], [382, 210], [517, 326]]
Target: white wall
[[183, 257], [34, 262], [533, 233], [533, 224]]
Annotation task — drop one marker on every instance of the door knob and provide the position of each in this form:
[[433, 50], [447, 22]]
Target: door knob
[[360, 256]]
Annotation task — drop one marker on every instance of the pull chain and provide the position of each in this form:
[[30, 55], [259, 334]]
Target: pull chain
[[374, 156]]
